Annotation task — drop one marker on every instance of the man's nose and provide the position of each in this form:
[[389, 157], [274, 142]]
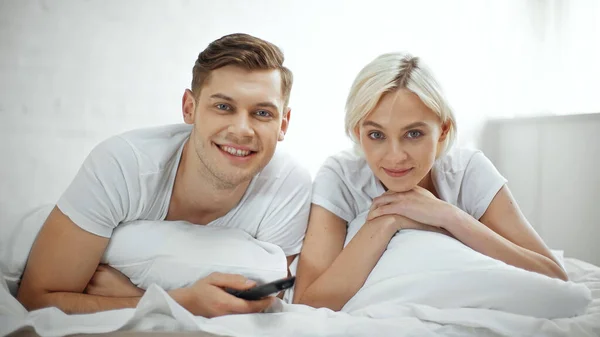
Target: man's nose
[[241, 126]]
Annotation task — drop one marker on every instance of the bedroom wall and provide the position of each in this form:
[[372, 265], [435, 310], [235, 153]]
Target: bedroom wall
[[75, 72], [551, 164]]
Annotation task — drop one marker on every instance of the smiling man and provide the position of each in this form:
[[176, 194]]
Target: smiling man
[[220, 168]]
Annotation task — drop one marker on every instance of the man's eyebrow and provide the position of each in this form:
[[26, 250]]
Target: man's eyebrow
[[223, 97], [229, 99], [268, 105]]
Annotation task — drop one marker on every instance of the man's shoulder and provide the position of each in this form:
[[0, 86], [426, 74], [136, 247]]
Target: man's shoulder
[[284, 182], [283, 168], [152, 148], [156, 135]]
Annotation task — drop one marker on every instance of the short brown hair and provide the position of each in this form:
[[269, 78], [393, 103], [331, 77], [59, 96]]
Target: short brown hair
[[245, 51]]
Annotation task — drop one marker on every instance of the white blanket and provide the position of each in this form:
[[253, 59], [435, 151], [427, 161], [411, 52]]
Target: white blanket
[[418, 267], [424, 282], [175, 254], [158, 312], [434, 269]]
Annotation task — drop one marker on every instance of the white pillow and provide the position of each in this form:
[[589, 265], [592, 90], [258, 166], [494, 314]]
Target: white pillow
[[437, 270], [17, 244], [174, 254]]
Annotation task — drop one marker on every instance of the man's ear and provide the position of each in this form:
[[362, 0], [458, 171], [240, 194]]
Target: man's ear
[[445, 130], [188, 106], [285, 123]]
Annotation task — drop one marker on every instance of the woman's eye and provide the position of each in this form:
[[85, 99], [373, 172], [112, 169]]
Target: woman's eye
[[375, 135], [263, 113], [414, 134], [222, 106]]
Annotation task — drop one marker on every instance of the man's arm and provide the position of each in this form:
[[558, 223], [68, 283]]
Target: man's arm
[[290, 259], [64, 258], [61, 263]]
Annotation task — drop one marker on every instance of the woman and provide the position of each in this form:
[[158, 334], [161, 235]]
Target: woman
[[405, 174]]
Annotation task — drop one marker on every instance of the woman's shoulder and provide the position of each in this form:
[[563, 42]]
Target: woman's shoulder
[[465, 177], [458, 159], [348, 166], [344, 185], [349, 160]]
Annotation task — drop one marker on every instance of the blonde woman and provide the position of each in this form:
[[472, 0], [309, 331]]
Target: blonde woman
[[405, 174]]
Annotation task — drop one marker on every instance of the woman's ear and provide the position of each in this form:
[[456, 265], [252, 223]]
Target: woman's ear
[[356, 132], [445, 130]]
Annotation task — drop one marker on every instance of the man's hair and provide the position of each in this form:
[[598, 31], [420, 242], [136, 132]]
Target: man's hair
[[244, 51]]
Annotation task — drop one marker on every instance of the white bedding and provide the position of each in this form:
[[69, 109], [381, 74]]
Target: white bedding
[[434, 269], [425, 284], [176, 254], [157, 311]]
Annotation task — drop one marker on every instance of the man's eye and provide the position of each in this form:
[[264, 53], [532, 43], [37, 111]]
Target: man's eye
[[263, 113], [414, 134], [375, 135], [222, 106]]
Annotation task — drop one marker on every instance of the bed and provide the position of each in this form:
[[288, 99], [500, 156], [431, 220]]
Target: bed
[[157, 312]]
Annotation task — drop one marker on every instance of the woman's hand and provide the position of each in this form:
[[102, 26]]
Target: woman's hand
[[109, 282], [399, 222], [418, 205]]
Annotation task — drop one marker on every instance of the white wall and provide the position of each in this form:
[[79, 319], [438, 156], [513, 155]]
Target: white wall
[[75, 72], [551, 164]]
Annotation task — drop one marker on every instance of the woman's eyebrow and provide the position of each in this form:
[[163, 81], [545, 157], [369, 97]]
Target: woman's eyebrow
[[415, 125]]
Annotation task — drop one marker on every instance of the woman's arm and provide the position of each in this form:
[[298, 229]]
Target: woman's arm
[[504, 233], [329, 274]]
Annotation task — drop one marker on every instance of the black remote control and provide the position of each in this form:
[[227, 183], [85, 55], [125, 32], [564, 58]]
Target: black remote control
[[262, 291]]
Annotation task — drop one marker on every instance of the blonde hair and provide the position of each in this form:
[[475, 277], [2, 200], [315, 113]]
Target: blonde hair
[[390, 72]]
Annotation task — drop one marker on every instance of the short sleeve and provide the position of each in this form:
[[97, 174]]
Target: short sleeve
[[481, 183], [100, 195], [332, 193], [285, 224]]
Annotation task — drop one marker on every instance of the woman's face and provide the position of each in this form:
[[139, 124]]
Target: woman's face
[[401, 139]]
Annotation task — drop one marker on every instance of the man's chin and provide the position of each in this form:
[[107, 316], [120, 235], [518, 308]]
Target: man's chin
[[235, 176]]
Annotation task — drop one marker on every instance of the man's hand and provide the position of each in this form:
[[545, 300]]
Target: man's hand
[[109, 282], [207, 298]]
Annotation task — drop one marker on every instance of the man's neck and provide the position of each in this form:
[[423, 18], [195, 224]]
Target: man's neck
[[198, 197]]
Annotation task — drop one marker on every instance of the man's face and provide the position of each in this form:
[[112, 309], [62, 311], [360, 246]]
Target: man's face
[[238, 119]]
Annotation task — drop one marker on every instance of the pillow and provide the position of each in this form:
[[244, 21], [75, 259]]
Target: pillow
[[17, 245], [434, 269], [174, 254]]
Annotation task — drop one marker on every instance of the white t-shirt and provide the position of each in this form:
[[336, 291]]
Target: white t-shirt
[[346, 186], [130, 177]]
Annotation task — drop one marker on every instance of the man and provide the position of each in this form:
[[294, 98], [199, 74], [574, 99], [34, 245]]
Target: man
[[209, 170]]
